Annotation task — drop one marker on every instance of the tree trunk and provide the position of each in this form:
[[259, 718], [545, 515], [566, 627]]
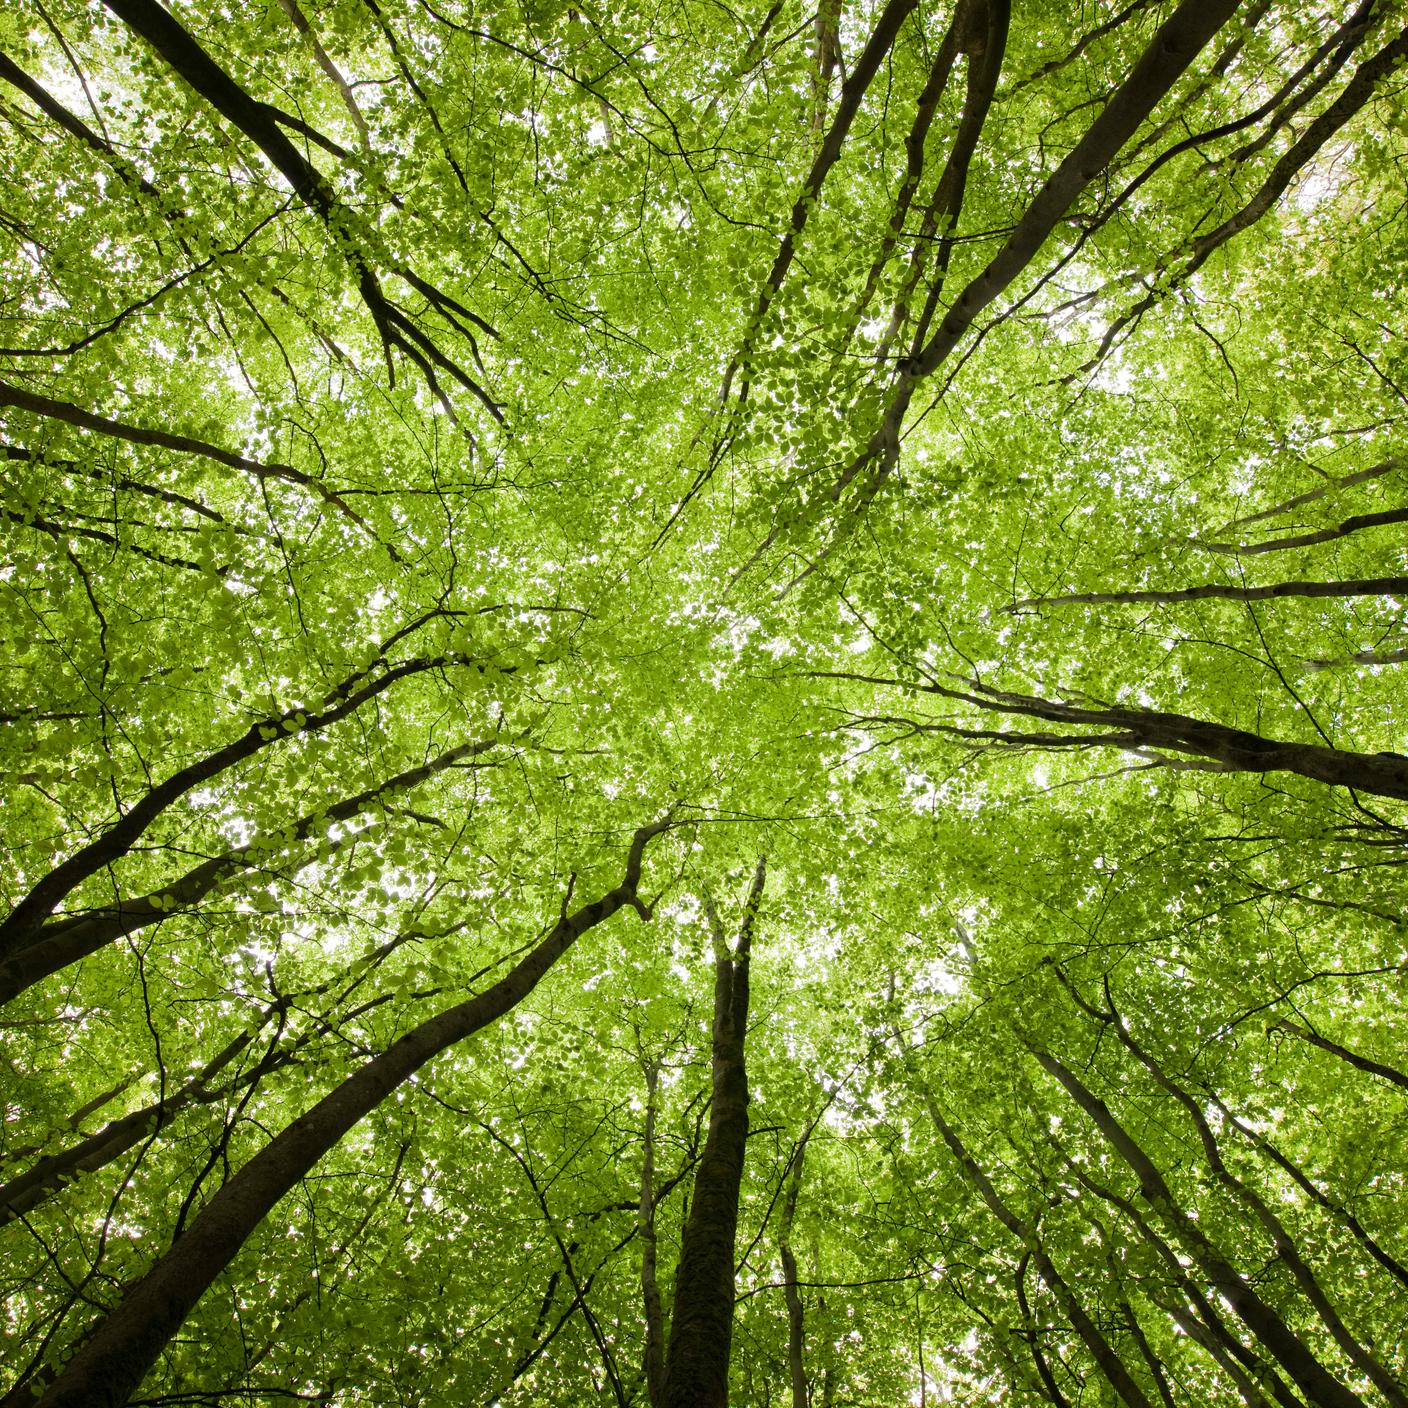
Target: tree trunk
[[796, 1328], [1169, 54], [1314, 1380], [110, 1366], [1190, 1308], [1101, 1350], [46, 1176], [264, 125], [59, 942], [1286, 1247], [649, 1283], [701, 1324]]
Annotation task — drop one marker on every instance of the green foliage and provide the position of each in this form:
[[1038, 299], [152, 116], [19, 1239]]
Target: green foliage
[[343, 654]]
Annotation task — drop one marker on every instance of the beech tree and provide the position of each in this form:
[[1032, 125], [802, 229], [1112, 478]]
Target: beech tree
[[904, 498]]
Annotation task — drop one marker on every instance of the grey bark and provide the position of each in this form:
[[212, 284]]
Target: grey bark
[[108, 1368], [40, 951], [1104, 1354], [796, 1324], [649, 1282], [1319, 1385], [701, 1322]]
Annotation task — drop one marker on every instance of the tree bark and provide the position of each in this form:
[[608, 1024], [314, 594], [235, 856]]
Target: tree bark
[[1219, 591], [1104, 1354], [1312, 1190], [1286, 1247], [1191, 1308], [1032, 1335], [24, 923], [325, 62], [649, 1282], [46, 1176], [796, 1326], [701, 1323], [109, 1367], [1360, 1063], [50, 409], [1356, 523], [1333, 486], [1356, 94], [1177, 43], [62, 941], [1142, 730], [1319, 1385], [263, 124]]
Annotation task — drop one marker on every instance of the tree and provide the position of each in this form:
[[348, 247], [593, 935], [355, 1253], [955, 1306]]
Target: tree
[[458, 461]]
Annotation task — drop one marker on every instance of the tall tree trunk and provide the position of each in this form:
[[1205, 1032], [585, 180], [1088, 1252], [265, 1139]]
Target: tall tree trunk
[[649, 1282], [701, 1324], [1192, 1310], [826, 57], [47, 1175], [325, 62], [264, 125], [65, 939], [796, 1328], [1287, 1249], [1320, 1386], [1101, 1350], [1031, 1333], [110, 1366], [1171, 51]]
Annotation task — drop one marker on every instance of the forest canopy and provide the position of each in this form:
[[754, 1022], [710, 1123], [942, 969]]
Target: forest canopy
[[702, 703]]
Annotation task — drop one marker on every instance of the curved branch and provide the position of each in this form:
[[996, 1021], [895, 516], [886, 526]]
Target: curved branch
[[51, 409], [1220, 591], [60, 942], [22, 926], [128, 1341]]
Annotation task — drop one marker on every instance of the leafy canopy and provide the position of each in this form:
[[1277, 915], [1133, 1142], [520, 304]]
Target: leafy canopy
[[953, 450]]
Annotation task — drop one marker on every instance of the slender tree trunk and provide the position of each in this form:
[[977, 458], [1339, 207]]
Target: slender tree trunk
[[110, 1366], [1323, 491], [826, 56], [1286, 1247], [1190, 1308], [325, 62], [1032, 1335], [264, 125], [47, 1175], [1354, 524], [796, 1327], [1314, 1380], [64, 940], [701, 1324], [1312, 1190], [1360, 1063], [1101, 1350], [649, 1281], [1173, 48]]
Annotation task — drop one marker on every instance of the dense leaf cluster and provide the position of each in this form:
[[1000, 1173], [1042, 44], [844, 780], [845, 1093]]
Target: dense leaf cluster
[[702, 704]]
